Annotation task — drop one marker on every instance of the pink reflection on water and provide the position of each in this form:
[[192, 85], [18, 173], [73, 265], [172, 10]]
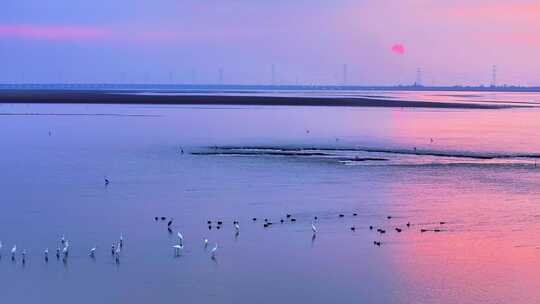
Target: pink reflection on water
[[489, 247], [513, 131]]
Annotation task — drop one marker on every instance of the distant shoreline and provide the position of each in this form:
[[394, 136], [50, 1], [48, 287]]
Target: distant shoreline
[[123, 97]]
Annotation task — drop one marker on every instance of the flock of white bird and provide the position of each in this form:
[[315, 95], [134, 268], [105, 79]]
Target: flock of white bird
[[62, 251]]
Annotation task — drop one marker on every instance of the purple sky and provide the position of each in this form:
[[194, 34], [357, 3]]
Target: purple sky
[[382, 41]]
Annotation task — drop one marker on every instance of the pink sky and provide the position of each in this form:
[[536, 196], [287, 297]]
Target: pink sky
[[453, 42]]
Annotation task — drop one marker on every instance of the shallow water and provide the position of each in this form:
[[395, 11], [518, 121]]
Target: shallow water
[[487, 250]]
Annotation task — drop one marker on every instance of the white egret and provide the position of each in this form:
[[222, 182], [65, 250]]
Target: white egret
[[213, 251], [46, 254], [121, 241], [237, 227], [180, 237], [13, 251], [178, 248], [313, 228], [205, 243], [93, 251]]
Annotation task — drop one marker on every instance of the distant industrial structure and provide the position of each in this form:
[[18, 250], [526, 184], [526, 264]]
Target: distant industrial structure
[[273, 76], [418, 81], [493, 76]]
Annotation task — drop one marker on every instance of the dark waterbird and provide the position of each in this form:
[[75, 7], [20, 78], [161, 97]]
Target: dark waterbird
[[254, 219], [355, 214], [219, 222], [288, 215], [341, 215], [163, 218], [389, 217], [370, 227], [377, 243], [107, 181], [353, 228], [408, 224], [398, 229], [423, 230], [293, 220], [281, 221], [209, 222], [170, 222]]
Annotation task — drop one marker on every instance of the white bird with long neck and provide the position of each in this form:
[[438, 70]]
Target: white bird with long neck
[[313, 228], [93, 252], [205, 243], [13, 251], [213, 251], [178, 248], [180, 237], [237, 227], [121, 241]]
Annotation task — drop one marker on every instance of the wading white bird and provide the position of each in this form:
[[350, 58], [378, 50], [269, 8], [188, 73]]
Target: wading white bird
[[213, 251], [180, 237], [46, 254], [313, 228], [205, 243], [178, 248], [237, 227], [13, 251], [0, 248], [93, 251], [121, 240]]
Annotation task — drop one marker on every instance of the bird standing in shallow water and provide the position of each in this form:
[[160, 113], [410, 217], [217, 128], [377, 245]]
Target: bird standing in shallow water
[[205, 243], [177, 249], [313, 228], [180, 238], [46, 254], [237, 227], [214, 251], [13, 251], [93, 252]]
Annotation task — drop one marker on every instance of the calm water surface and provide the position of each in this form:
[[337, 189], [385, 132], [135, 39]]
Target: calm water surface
[[487, 252]]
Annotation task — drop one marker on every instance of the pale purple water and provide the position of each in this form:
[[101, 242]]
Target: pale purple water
[[53, 185]]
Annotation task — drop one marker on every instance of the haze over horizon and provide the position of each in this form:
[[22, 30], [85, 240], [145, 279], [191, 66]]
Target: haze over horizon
[[382, 42]]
